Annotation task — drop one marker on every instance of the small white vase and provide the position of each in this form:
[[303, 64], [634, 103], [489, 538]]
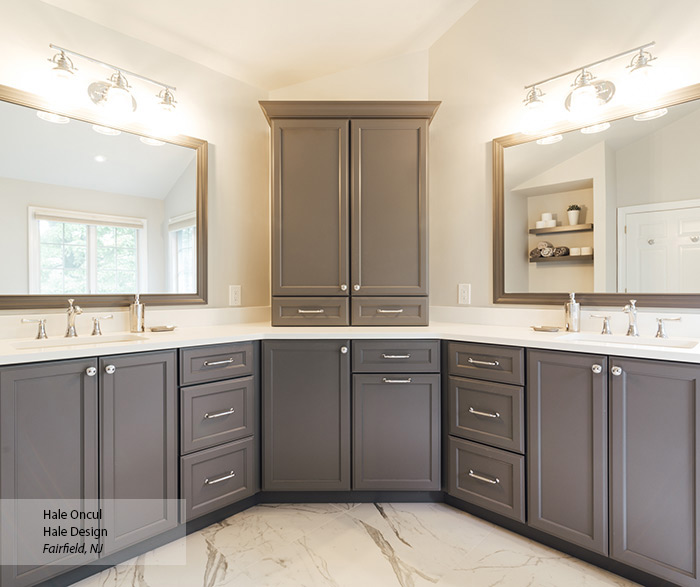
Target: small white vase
[[573, 216]]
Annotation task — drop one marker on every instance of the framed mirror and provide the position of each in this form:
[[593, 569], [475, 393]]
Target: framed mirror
[[637, 233], [97, 212]]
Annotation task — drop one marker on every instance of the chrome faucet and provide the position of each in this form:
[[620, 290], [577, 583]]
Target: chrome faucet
[[631, 310], [72, 311]]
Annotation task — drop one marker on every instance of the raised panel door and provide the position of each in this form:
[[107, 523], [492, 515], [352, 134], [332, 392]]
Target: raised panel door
[[389, 207], [310, 207], [655, 464], [48, 451], [306, 415], [139, 446], [568, 448]]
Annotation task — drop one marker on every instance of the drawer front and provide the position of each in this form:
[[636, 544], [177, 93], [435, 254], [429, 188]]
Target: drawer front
[[487, 477], [484, 361], [491, 413], [217, 477], [221, 361], [389, 311], [394, 356], [215, 413], [310, 311]]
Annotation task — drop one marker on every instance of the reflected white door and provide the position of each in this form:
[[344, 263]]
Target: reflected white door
[[662, 252]]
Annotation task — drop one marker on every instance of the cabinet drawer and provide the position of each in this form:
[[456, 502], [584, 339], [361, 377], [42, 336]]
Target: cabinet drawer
[[487, 477], [389, 311], [214, 413], [504, 364], [391, 356], [210, 363], [310, 311], [491, 413], [216, 477]]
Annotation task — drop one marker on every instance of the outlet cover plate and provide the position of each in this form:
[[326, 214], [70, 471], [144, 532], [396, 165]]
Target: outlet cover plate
[[234, 295]]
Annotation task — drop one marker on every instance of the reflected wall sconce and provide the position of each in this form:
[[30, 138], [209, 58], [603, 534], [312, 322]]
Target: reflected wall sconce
[[589, 93], [114, 94]]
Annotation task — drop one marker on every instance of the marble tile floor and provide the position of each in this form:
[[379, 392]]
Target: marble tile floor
[[355, 545]]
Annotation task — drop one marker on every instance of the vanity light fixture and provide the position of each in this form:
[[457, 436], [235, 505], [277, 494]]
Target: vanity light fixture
[[64, 66], [651, 114], [590, 130], [589, 93], [535, 119], [550, 140], [115, 94], [51, 117]]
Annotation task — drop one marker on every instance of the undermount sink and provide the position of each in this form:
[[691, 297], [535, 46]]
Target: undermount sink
[[47, 343], [590, 338]]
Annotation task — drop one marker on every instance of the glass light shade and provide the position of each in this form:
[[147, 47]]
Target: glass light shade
[[590, 130], [550, 140], [584, 102], [151, 142], [642, 87], [51, 117], [535, 118], [651, 114], [119, 101], [105, 130]]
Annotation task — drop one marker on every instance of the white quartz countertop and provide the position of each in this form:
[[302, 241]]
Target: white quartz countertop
[[14, 351]]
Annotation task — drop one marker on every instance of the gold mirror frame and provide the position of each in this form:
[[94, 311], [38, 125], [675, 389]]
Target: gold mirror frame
[[21, 301], [500, 296]]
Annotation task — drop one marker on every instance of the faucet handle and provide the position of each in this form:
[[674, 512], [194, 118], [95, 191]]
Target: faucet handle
[[606, 323], [41, 332], [661, 326], [96, 330]]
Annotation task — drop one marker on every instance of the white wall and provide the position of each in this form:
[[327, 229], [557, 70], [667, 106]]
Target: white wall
[[16, 195], [211, 106], [399, 78], [478, 69]]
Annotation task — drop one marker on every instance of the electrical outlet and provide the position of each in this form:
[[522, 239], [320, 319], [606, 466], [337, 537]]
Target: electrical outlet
[[234, 295], [465, 294]]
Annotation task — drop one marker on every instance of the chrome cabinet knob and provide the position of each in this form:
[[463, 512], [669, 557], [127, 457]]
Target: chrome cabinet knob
[[344, 350], [343, 287], [356, 287], [91, 371], [616, 371], [109, 369], [596, 369]]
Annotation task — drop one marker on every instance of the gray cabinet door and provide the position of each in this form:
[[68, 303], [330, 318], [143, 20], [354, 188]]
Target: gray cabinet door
[[567, 450], [139, 449], [48, 451], [389, 207], [396, 432], [309, 207], [306, 415], [655, 464]]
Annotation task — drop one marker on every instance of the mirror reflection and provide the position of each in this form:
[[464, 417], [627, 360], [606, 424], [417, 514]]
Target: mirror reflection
[[90, 210], [637, 184]]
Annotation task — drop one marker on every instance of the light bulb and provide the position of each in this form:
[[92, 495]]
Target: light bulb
[[642, 88], [119, 101], [584, 102]]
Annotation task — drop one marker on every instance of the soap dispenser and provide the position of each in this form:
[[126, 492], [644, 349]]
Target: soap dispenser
[[573, 314], [137, 319]]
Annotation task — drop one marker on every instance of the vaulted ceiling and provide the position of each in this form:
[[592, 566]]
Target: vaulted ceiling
[[276, 43]]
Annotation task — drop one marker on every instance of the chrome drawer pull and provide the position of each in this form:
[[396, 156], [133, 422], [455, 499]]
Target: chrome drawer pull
[[385, 380], [383, 311], [319, 311], [214, 363], [395, 356], [220, 479], [616, 371], [487, 414], [485, 363], [209, 416], [478, 477]]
